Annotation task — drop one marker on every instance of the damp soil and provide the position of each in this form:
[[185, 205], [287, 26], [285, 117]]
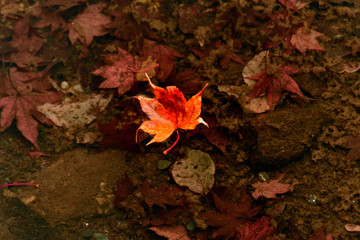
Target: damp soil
[[305, 139]]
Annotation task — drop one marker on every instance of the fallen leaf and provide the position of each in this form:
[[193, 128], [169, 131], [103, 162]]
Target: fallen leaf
[[216, 135], [270, 189], [63, 4], [49, 18], [229, 55], [320, 235], [21, 93], [149, 66], [75, 112], [259, 230], [168, 112], [124, 188], [256, 65], [196, 171], [162, 195], [89, 24], [124, 25], [189, 17], [354, 144], [27, 44], [119, 71], [164, 55], [350, 67], [352, 227], [34, 154], [188, 81], [231, 216], [294, 4], [274, 84], [171, 232], [277, 32], [122, 70], [303, 40]]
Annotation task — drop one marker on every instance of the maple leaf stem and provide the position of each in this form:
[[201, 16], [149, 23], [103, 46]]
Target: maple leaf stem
[[178, 137], [19, 184]]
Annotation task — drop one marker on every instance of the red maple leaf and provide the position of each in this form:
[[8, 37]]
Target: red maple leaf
[[120, 71], [27, 44], [277, 32], [164, 56], [294, 4], [162, 195], [274, 84], [89, 24], [303, 40], [21, 93], [270, 189], [124, 25], [256, 230], [231, 217], [49, 18], [63, 5], [172, 232], [170, 111]]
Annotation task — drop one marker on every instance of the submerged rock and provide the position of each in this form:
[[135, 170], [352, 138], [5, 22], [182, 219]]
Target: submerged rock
[[282, 136]]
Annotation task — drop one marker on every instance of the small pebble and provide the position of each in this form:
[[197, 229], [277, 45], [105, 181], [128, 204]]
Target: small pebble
[[64, 85], [191, 226], [78, 88], [263, 176], [100, 236], [312, 199], [87, 233], [163, 164]]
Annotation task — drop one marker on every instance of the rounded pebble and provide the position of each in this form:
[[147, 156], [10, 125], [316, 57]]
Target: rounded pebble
[[100, 236], [312, 199], [78, 88], [191, 226], [163, 164], [87, 233], [64, 85]]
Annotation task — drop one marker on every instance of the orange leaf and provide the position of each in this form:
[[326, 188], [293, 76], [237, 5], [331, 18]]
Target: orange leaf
[[169, 111]]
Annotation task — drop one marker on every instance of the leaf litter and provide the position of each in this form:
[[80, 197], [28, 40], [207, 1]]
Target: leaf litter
[[291, 28]]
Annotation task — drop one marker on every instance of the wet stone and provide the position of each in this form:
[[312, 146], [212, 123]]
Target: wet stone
[[100, 236], [191, 226], [284, 135], [163, 164], [87, 233]]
